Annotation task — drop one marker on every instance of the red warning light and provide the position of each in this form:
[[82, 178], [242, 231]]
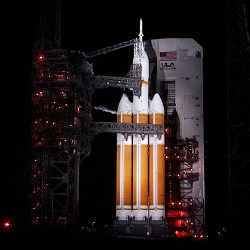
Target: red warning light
[[78, 109], [182, 234], [41, 58], [6, 224], [179, 223], [60, 76]]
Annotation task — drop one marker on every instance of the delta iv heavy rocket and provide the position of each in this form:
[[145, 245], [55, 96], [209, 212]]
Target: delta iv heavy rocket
[[140, 172]]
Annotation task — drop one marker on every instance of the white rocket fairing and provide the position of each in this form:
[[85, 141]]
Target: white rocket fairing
[[140, 160]]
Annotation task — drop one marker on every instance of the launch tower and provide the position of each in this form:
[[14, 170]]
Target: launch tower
[[56, 144]]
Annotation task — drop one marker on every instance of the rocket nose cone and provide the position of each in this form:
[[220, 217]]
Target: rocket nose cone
[[124, 105], [140, 105], [156, 105]]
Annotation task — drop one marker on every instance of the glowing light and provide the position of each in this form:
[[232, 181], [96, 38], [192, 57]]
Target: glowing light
[[78, 109], [63, 93], [60, 76], [41, 57], [182, 234], [6, 224], [179, 223]]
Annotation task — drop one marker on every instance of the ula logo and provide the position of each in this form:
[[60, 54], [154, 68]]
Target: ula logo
[[167, 66]]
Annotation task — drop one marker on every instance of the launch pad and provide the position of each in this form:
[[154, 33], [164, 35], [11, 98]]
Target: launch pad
[[140, 229]]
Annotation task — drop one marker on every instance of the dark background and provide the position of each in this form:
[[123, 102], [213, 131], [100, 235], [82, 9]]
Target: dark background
[[93, 26]]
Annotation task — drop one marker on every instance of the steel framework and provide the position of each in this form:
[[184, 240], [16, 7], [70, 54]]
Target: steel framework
[[133, 84], [63, 128], [184, 213], [111, 48], [56, 154]]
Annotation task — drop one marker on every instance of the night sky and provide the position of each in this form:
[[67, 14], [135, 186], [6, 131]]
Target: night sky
[[89, 27]]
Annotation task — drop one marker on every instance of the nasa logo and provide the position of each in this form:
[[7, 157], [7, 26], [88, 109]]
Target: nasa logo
[[167, 66]]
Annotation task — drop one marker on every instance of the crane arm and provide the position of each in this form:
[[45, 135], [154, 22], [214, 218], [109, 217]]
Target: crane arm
[[133, 84], [112, 48]]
